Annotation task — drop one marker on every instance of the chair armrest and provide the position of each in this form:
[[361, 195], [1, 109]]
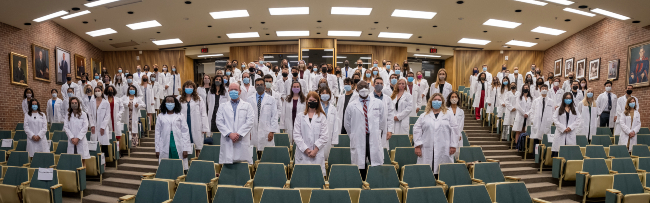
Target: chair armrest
[[461, 161], [646, 189], [148, 175], [403, 184], [1, 179], [514, 179], [81, 168], [615, 191], [168, 201], [287, 184], [180, 179], [613, 172], [215, 180], [560, 158], [3, 163], [610, 157], [195, 158], [249, 183], [535, 200], [327, 185], [127, 197], [479, 181], [440, 182], [53, 166], [640, 171], [582, 172], [25, 184], [394, 162], [27, 165], [492, 160], [633, 156], [585, 157], [56, 186], [365, 185]]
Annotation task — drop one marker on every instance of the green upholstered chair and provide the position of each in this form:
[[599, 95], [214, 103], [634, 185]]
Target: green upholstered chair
[[58, 136], [40, 160], [273, 195], [601, 140], [509, 192], [544, 154], [581, 140], [216, 139], [62, 147], [94, 166], [644, 131], [490, 173], [404, 156], [413, 119], [417, 176], [150, 190], [268, 175], [598, 152], [308, 176], [281, 139], [15, 180], [233, 194], [191, 193], [387, 159], [169, 171], [465, 140], [5, 134], [411, 129], [627, 188], [3, 158], [455, 174], [643, 163], [49, 191], [378, 196], [56, 127], [399, 141], [640, 151], [236, 174], [594, 179], [469, 194], [328, 196], [16, 159], [425, 195], [347, 176], [203, 172], [618, 151], [344, 141], [338, 155], [88, 134], [72, 173], [384, 177], [568, 162], [626, 165], [21, 145], [210, 153], [20, 135], [19, 126], [277, 154], [603, 131], [643, 139], [472, 154]]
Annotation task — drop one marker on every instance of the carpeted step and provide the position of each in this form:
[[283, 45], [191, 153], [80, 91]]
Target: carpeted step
[[138, 168], [122, 183], [115, 192], [95, 198]]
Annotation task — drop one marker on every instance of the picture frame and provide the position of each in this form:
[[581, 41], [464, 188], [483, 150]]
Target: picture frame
[[41, 63], [612, 69], [558, 68], [637, 63], [95, 66], [594, 69], [19, 69], [580, 68], [568, 66], [80, 66], [63, 66]]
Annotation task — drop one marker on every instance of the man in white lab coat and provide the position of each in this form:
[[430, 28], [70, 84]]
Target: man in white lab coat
[[137, 76], [265, 122], [389, 108], [332, 80], [363, 120], [567, 83], [347, 71], [235, 120], [621, 103], [69, 84], [607, 102], [517, 78], [542, 116]]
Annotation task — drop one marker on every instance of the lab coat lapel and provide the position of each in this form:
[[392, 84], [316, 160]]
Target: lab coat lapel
[[306, 118]]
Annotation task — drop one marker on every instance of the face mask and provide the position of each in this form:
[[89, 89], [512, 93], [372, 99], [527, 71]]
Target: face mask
[[571, 77], [436, 104], [119, 71], [388, 66], [294, 74], [228, 73], [109, 93], [313, 104], [155, 69], [153, 79], [504, 68], [356, 81], [164, 69], [475, 71], [138, 70], [375, 65], [234, 94], [246, 80], [295, 90], [442, 77], [513, 88], [590, 95], [74, 106], [322, 85], [88, 90], [325, 97], [393, 81], [505, 83], [170, 106], [129, 80], [378, 88], [516, 71], [315, 69], [259, 89], [410, 79], [144, 80], [454, 101], [529, 79], [397, 72], [359, 64], [575, 87], [68, 78], [540, 83], [174, 69], [337, 72], [225, 81], [53, 94], [506, 74], [34, 107], [132, 92], [420, 77], [568, 101], [347, 88], [374, 72], [98, 94], [364, 92], [556, 84], [525, 90], [216, 83], [544, 91], [483, 78], [583, 84], [532, 68], [539, 72], [261, 63], [268, 85], [367, 75], [206, 81], [628, 91], [346, 64], [484, 69], [384, 63], [189, 90], [70, 94], [29, 95], [608, 89], [118, 77], [243, 66], [630, 104]]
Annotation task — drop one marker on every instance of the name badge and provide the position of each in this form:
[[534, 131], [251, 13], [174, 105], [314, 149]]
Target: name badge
[[45, 174]]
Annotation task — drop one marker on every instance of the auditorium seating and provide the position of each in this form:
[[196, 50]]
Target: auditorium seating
[[384, 177], [16, 159], [151, 190], [490, 173], [15, 180], [456, 174], [469, 194], [472, 154], [72, 174], [328, 196], [268, 175], [43, 191], [378, 196], [404, 156], [601, 140], [189, 192], [598, 152], [594, 179], [425, 195], [568, 162], [169, 171], [347, 176], [94, 166], [344, 141], [509, 192], [627, 188], [236, 174], [62, 147], [272, 195], [338, 155], [40, 160], [277, 154]]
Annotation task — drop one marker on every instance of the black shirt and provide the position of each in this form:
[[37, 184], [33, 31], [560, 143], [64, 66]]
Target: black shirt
[[440, 86]]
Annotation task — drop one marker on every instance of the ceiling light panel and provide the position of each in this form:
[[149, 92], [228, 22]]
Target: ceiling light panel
[[291, 33], [394, 35], [229, 14], [610, 14], [210, 55], [167, 41], [101, 32], [473, 41], [50, 16], [350, 11], [289, 11], [413, 14], [344, 33], [539, 3], [548, 31], [563, 2], [143, 25], [425, 55], [243, 35], [521, 43], [576, 11], [76, 14], [501, 23], [100, 2]]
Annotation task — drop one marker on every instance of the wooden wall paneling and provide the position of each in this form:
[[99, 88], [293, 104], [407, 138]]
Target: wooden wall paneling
[[252, 53], [390, 53], [465, 60], [127, 59], [317, 43], [452, 77], [187, 71]]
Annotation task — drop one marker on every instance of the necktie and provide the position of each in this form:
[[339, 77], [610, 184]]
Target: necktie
[[543, 106], [189, 121], [609, 101], [365, 113], [259, 106], [174, 86]]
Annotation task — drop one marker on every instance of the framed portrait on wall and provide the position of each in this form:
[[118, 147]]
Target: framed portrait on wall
[[580, 68], [95, 65], [612, 69], [63, 65], [19, 72], [637, 63], [594, 69], [568, 67], [41, 63], [558, 67], [80, 65]]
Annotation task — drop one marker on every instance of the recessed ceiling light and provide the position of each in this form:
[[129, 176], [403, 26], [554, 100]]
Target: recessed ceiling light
[[344, 33], [460, 2], [289, 11], [610, 14], [229, 14], [518, 10], [167, 41], [563, 2], [130, 12], [328, 56], [425, 55], [76, 14], [28, 24], [548, 31], [413, 14], [521, 43], [210, 55], [579, 12], [350, 11], [100, 2], [473, 41], [583, 6], [291, 33], [539, 3], [501, 23], [143, 25], [75, 8], [243, 35], [341, 57], [636, 21], [101, 32], [394, 35], [188, 2], [50, 16], [567, 20], [85, 22]]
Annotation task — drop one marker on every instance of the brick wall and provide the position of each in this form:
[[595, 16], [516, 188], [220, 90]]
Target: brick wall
[[49, 35]]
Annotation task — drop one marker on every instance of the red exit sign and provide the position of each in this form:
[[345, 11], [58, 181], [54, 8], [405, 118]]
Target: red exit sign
[[432, 50], [204, 50]]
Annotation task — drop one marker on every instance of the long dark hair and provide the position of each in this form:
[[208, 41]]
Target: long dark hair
[[539, 86], [195, 94], [448, 102], [77, 113], [100, 89], [563, 105], [522, 91], [38, 109], [129, 89], [290, 95], [503, 87], [526, 80], [213, 87], [25, 93], [586, 84], [479, 77], [110, 93], [163, 105]]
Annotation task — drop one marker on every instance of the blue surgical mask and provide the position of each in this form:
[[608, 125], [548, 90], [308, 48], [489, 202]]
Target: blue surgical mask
[[246, 80], [70, 94], [568, 101], [630, 104], [261, 63], [228, 73], [153, 79], [173, 69], [387, 66], [367, 75], [315, 69], [590, 95], [476, 71], [129, 80], [132, 92], [505, 82], [375, 65], [397, 72], [374, 72], [410, 79], [225, 81], [189, 90], [234, 94], [393, 81], [484, 69], [170, 106], [243, 66], [119, 71], [34, 106], [347, 87], [325, 97], [96, 77], [436, 104]]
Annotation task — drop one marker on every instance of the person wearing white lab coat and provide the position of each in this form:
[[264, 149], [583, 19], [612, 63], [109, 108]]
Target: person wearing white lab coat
[[311, 133], [195, 114], [436, 134], [364, 128], [132, 105], [510, 111], [116, 108], [481, 91], [129, 82], [172, 133], [54, 109], [567, 121], [387, 131], [630, 124], [36, 129], [28, 95], [204, 87], [119, 84], [147, 96], [119, 73], [293, 104], [502, 98], [339, 82], [452, 104], [502, 73], [70, 84], [85, 80], [344, 99], [567, 83], [536, 91], [492, 98], [332, 80], [416, 94], [66, 102], [166, 80], [75, 126], [217, 96], [157, 89], [523, 104], [347, 71], [247, 86], [556, 92], [389, 85], [333, 122], [607, 102], [100, 119], [473, 77], [621, 104], [577, 95], [588, 114], [265, 112], [173, 80], [403, 102], [137, 75], [542, 112], [359, 67], [517, 78], [235, 121], [440, 86]]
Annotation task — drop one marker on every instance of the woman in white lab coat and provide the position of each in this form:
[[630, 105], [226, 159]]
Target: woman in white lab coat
[[473, 77], [333, 122], [36, 129], [436, 125], [196, 116], [424, 85], [589, 114], [172, 133], [65, 104], [75, 126], [567, 121], [147, 96], [157, 88], [510, 110], [204, 87], [119, 86], [440, 86], [311, 134], [217, 95], [459, 114], [54, 109], [536, 90], [523, 104], [173, 80], [87, 98], [304, 74], [413, 89], [28, 95], [100, 120], [481, 87], [292, 105], [403, 107], [116, 111], [132, 105], [491, 100], [630, 124]]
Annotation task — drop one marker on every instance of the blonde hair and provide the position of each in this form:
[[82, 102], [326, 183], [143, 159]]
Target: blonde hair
[[319, 108], [438, 76], [586, 100], [629, 109], [396, 89], [442, 107]]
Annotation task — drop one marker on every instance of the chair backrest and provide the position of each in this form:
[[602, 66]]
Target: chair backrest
[[344, 176], [378, 196], [191, 192], [5, 134], [425, 195], [595, 151], [307, 176], [44, 184], [56, 127], [59, 135], [88, 135], [413, 119], [62, 147], [552, 129], [330, 196], [604, 131], [270, 195], [399, 141], [643, 139], [69, 162], [644, 163], [200, 172], [465, 140], [152, 191], [170, 169], [470, 194], [640, 150], [488, 172], [20, 135], [628, 183], [383, 176], [233, 194], [386, 157], [454, 174], [216, 138], [623, 165], [281, 139], [21, 145], [545, 141], [277, 154], [254, 153], [210, 153], [570, 152], [42, 160], [411, 129], [339, 155], [601, 140], [418, 175], [15, 176], [581, 140], [619, 151], [595, 166], [512, 193], [236, 174], [3, 157], [19, 126], [471, 154], [18, 158], [270, 175], [644, 130], [344, 141], [405, 156]]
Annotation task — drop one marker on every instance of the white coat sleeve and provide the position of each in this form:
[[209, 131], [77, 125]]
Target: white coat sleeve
[[576, 124], [390, 122], [245, 128], [455, 132], [204, 116], [531, 110], [347, 119], [297, 134], [43, 129], [273, 126], [409, 107], [107, 118], [221, 122], [158, 142], [418, 139], [185, 137], [383, 121], [284, 105], [636, 124], [559, 127], [91, 112], [323, 136], [28, 131], [510, 105], [84, 129]]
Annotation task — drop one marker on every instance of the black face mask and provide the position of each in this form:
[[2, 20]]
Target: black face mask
[[524, 90], [571, 77], [356, 81], [104, 71], [251, 70], [144, 80], [109, 93], [628, 91], [325, 70], [69, 78], [359, 64], [338, 72], [294, 74], [346, 63], [503, 68], [313, 104], [285, 74], [155, 69], [575, 87], [513, 87], [88, 90], [550, 77], [540, 83], [383, 63], [406, 65]]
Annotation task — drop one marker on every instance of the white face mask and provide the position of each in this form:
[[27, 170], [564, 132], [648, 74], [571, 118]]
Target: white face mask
[[364, 92], [608, 89], [98, 94], [453, 100], [583, 84], [516, 71], [544, 91], [53, 94], [556, 84]]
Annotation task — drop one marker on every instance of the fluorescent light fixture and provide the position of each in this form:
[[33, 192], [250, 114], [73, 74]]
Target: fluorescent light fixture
[[473, 41], [351, 11], [210, 55], [271, 61], [425, 55], [229, 14], [76, 14], [304, 50], [101, 32], [395, 35], [610, 14], [294, 56], [548, 31], [413, 14], [291, 33], [344, 33], [365, 58], [328, 49], [328, 56], [305, 57], [341, 57], [521, 43], [100, 2], [293, 61], [579, 12], [563, 2], [143, 25], [539, 3], [501, 23], [167, 41], [50, 16], [268, 57], [243, 35], [339, 62], [289, 11]]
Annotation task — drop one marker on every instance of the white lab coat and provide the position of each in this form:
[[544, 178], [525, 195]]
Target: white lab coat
[[566, 85], [349, 71], [309, 135], [541, 121], [524, 106], [266, 123], [203, 92], [303, 84], [118, 112], [424, 88], [493, 99], [285, 121], [135, 114], [416, 99], [561, 138], [26, 108], [236, 76], [100, 118], [199, 120], [119, 90], [460, 121], [333, 127], [436, 136], [55, 115], [36, 125], [510, 99], [472, 80], [621, 103], [64, 90], [390, 121], [557, 96], [332, 83], [340, 107], [211, 101], [576, 99], [629, 124], [158, 94], [166, 124], [149, 93], [589, 120], [519, 81], [174, 84], [354, 123], [603, 106], [77, 127], [247, 92], [446, 90], [226, 122], [137, 77], [477, 93], [403, 113]]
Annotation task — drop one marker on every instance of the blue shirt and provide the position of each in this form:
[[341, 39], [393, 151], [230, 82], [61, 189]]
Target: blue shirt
[[325, 108], [260, 97], [53, 104], [378, 97], [366, 103]]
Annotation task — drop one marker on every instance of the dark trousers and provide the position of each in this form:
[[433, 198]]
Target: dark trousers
[[364, 172], [104, 149], [604, 119]]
